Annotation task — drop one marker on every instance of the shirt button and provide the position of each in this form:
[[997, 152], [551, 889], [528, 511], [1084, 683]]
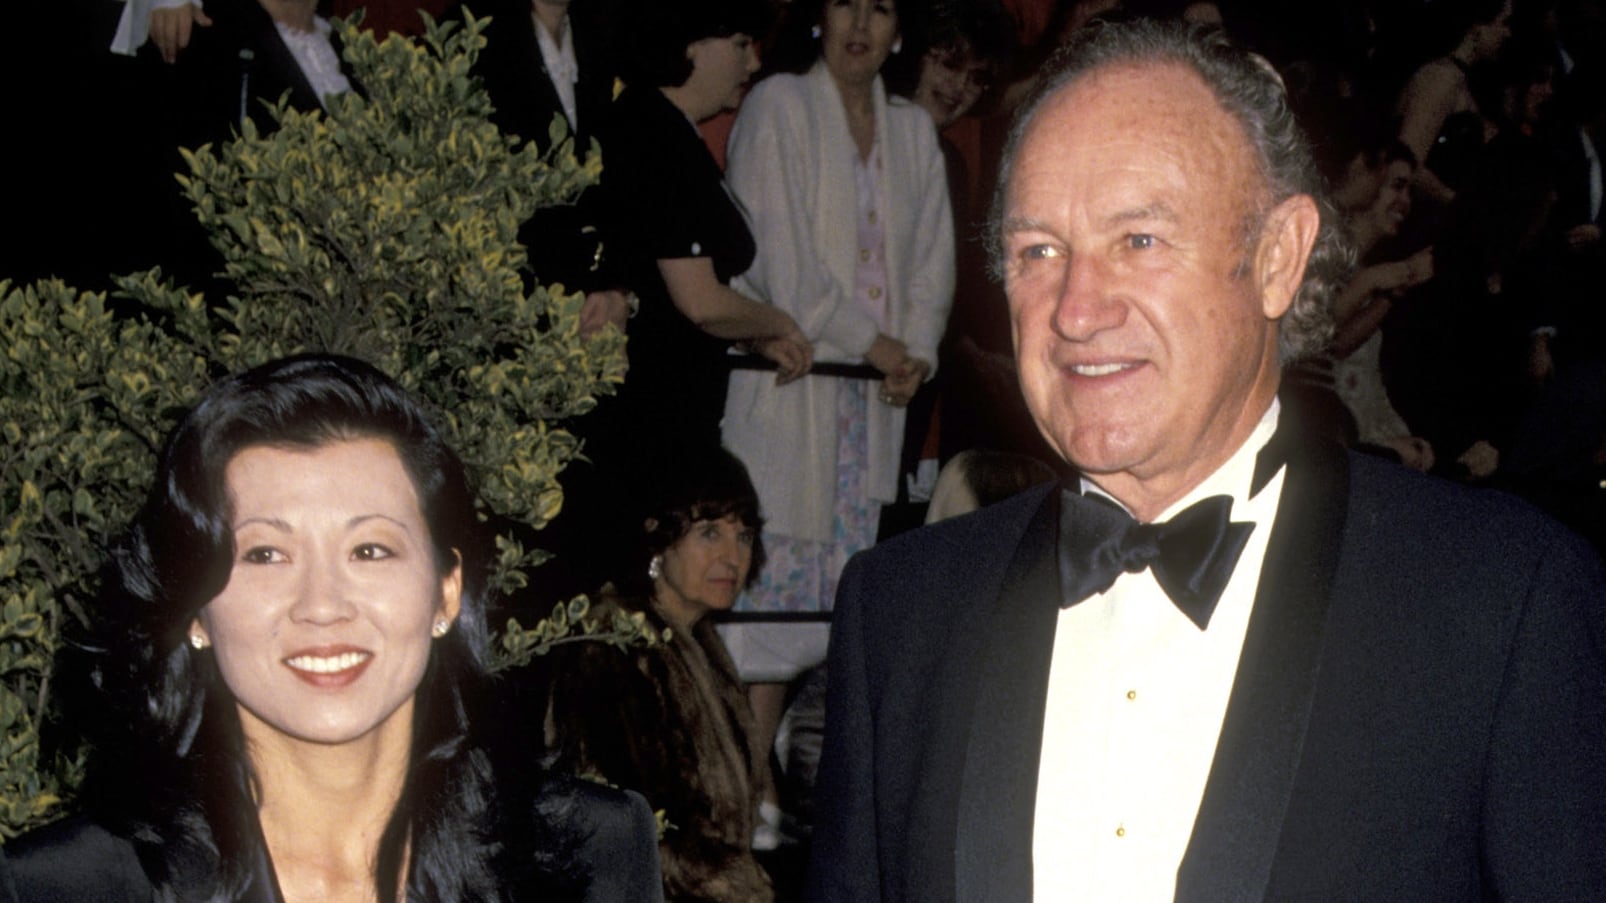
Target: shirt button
[[864, 255], [1131, 694], [875, 292], [1120, 831]]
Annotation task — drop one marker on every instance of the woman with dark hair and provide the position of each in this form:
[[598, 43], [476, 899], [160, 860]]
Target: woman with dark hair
[[682, 236], [678, 239], [278, 687], [1440, 120], [959, 52], [672, 722]]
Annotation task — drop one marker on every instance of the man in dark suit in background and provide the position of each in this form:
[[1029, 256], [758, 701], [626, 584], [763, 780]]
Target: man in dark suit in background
[[546, 60], [543, 59], [1229, 664]]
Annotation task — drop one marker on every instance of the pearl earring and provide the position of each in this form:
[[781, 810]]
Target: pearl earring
[[441, 624], [197, 641], [815, 32], [897, 45], [655, 567]]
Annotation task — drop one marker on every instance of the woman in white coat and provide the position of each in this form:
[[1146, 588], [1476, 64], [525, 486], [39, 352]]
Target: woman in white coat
[[846, 193]]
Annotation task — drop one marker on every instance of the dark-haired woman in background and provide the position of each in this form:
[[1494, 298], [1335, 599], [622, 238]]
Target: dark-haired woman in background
[[682, 235], [960, 49], [673, 722], [678, 239], [278, 685], [1439, 116]]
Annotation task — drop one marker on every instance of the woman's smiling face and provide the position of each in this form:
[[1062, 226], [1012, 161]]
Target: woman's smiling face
[[324, 629]]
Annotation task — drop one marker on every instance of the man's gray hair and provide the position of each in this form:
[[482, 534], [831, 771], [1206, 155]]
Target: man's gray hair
[[1248, 89]]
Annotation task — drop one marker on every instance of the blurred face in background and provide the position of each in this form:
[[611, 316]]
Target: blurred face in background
[[1535, 97], [1489, 37], [952, 79], [705, 570], [1393, 202], [856, 36], [721, 70]]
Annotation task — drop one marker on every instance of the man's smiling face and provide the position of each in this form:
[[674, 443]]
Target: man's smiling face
[[1147, 350]]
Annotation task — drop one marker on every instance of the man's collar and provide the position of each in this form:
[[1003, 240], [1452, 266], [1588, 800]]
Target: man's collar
[[1238, 478]]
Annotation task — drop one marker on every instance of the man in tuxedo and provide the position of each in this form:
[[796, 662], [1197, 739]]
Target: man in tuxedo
[[1226, 664]]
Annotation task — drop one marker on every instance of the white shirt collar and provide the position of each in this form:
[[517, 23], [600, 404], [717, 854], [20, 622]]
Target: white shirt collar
[[561, 64], [315, 54], [1233, 478]]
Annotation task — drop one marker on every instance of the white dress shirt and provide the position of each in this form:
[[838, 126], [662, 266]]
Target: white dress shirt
[[315, 53], [561, 65], [1136, 696], [1592, 159]]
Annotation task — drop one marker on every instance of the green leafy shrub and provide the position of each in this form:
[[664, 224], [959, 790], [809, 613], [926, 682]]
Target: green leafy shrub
[[85, 398]]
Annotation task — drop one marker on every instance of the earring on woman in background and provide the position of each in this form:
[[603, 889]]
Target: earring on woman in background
[[897, 45], [815, 32], [655, 567]]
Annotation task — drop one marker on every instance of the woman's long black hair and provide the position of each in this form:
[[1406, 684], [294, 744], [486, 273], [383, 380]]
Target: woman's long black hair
[[660, 35], [168, 766]]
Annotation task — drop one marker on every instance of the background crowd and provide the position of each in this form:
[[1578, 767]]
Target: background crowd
[[788, 231]]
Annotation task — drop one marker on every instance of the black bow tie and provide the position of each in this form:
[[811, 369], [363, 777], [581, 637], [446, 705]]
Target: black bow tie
[[1192, 554]]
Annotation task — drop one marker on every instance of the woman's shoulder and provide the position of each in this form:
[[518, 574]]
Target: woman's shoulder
[[599, 843], [774, 95], [910, 118], [779, 83], [602, 815], [642, 108], [75, 860], [1436, 81]]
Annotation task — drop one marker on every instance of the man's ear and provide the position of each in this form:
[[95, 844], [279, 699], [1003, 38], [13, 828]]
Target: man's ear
[[1286, 237]]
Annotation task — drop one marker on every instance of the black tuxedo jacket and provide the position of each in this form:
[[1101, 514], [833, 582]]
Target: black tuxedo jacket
[[233, 70], [569, 244], [1419, 711], [515, 74]]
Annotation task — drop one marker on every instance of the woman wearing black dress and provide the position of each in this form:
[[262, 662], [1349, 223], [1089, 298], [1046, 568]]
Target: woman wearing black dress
[[684, 237]]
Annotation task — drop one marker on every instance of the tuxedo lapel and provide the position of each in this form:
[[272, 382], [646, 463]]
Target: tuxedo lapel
[[1235, 836], [1008, 677], [515, 73], [593, 93], [276, 68]]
